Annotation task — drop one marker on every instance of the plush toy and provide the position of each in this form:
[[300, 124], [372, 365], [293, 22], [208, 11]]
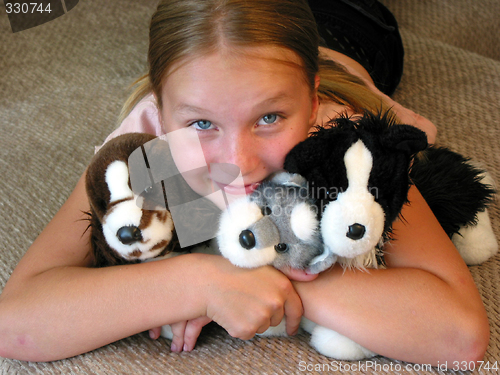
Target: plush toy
[[127, 225], [360, 169], [275, 225], [136, 193]]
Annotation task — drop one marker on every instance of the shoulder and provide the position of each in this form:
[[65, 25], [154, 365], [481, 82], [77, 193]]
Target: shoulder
[[329, 110], [144, 118]]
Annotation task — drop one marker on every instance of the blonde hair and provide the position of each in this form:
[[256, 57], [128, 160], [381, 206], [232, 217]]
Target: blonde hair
[[182, 29]]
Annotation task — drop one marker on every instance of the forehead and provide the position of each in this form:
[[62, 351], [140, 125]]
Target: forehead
[[270, 68]]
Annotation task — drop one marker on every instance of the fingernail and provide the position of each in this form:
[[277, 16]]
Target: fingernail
[[174, 348], [186, 348]]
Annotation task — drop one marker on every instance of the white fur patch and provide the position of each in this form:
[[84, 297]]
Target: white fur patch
[[117, 180], [128, 213], [279, 330], [240, 215], [476, 243], [356, 205], [303, 221], [333, 344]]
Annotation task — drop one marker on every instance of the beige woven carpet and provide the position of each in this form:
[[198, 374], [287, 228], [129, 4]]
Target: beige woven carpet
[[61, 87]]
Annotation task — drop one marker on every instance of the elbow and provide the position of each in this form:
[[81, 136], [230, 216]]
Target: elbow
[[14, 343], [473, 338]]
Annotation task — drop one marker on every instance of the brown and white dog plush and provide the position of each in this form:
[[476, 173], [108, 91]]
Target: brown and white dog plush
[[130, 221]]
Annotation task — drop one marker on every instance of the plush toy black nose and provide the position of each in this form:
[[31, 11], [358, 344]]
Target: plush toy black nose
[[128, 235], [281, 247], [356, 231], [247, 239]]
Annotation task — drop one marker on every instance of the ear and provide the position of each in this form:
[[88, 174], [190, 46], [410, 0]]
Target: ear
[[405, 138]]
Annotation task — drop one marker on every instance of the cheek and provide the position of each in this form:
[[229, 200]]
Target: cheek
[[277, 152]]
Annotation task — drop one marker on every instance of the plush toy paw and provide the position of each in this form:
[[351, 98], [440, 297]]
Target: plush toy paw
[[335, 345], [476, 243], [166, 331], [279, 330]]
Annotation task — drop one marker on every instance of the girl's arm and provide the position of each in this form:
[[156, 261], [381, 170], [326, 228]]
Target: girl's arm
[[54, 306], [424, 308]]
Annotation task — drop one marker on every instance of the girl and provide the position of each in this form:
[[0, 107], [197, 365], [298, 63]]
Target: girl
[[248, 78]]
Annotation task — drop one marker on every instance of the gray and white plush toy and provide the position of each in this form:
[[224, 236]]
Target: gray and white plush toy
[[276, 225]]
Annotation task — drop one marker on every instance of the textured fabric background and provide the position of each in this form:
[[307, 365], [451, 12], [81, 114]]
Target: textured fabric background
[[61, 88]]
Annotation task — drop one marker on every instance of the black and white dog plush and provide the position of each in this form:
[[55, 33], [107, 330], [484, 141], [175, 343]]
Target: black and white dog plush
[[366, 165], [359, 170]]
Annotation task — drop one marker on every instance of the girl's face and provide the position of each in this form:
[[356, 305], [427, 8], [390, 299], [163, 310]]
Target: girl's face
[[246, 109]]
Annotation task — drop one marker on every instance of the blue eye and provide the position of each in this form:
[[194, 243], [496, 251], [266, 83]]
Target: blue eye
[[269, 118], [202, 124]]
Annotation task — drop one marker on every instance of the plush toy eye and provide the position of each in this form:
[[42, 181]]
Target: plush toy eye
[[356, 231], [247, 239], [281, 247], [266, 211]]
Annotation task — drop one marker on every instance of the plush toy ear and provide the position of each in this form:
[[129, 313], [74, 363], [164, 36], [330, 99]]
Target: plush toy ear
[[405, 138]]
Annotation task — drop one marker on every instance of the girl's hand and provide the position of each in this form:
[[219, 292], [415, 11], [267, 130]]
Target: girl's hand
[[249, 301], [185, 333]]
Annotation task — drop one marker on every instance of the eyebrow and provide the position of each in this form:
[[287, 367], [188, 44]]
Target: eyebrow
[[185, 107], [281, 96]]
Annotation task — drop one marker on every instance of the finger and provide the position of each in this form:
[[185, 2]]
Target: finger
[[263, 328], [193, 330], [277, 318], [178, 330], [293, 313], [154, 333]]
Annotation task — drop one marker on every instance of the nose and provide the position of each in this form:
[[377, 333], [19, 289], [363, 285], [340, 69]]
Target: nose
[[356, 231], [242, 151], [129, 234]]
